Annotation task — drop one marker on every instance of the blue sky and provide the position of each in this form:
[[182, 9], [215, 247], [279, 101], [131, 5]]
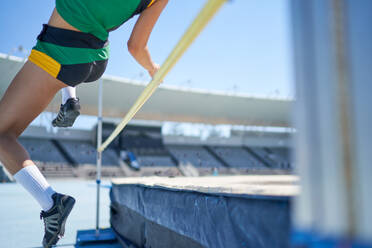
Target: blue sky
[[246, 48]]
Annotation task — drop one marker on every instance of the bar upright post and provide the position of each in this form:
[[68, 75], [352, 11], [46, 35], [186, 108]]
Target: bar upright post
[[99, 153]]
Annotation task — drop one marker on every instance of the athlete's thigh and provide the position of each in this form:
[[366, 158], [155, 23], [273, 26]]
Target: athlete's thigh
[[26, 97]]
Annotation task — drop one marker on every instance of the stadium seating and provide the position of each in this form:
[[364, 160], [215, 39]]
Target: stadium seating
[[84, 152], [56, 170], [270, 158], [61, 157], [155, 161], [195, 155], [282, 155], [237, 157], [131, 141], [49, 159], [42, 150], [283, 152]]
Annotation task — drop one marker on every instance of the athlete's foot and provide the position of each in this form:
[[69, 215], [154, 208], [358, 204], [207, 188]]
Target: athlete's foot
[[55, 219], [67, 113]]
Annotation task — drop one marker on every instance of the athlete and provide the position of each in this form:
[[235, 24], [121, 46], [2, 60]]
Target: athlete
[[71, 49]]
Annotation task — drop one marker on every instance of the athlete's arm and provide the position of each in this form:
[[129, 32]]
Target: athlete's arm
[[137, 43]]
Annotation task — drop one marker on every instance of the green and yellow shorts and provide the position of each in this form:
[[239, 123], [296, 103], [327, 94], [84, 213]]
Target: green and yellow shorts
[[70, 56]]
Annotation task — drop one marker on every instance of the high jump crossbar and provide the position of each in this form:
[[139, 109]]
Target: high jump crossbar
[[204, 16]]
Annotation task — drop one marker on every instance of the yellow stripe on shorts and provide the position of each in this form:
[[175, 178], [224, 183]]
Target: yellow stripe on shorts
[[45, 62], [152, 1]]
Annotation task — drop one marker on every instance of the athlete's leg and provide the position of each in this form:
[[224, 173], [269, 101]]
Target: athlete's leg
[[27, 96]]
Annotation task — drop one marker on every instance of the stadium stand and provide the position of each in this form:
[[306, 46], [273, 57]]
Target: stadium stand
[[281, 155], [42, 150], [140, 141], [110, 157], [195, 155], [83, 152], [49, 159], [72, 153], [155, 161], [237, 157], [147, 145], [141, 137], [56, 170], [269, 157], [283, 152]]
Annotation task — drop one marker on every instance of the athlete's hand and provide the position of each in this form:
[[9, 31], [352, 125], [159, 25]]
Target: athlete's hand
[[153, 71]]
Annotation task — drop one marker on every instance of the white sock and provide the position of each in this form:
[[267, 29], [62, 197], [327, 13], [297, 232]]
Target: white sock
[[68, 92], [34, 182]]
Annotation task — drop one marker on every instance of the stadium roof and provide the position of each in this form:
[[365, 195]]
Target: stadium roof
[[168, 103]]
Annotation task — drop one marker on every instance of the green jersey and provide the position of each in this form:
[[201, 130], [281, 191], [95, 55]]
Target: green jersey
[[98, 17]]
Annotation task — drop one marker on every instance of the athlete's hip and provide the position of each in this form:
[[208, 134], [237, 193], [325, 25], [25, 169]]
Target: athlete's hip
[[72, 57]]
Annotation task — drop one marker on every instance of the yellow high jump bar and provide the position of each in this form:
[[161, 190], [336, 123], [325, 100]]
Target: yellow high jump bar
[[204, 16]]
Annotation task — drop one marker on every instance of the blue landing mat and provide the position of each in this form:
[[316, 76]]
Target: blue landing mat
[[160, 217]]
